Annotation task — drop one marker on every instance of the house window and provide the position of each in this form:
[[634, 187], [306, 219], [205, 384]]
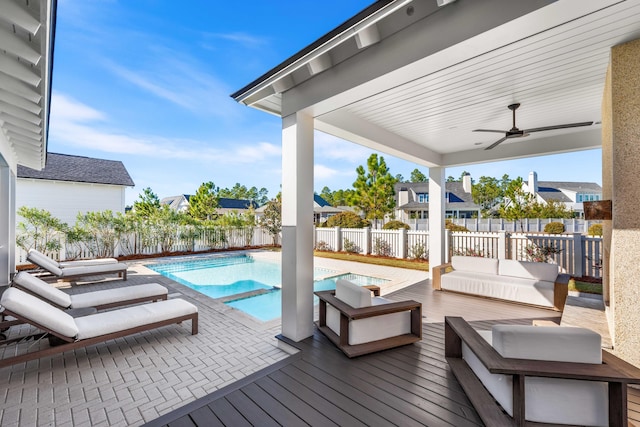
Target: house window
[[579, 197], [423, 197]]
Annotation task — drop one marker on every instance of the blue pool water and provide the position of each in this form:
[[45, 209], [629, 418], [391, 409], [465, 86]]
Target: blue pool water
[[226, 276], [269, 306]]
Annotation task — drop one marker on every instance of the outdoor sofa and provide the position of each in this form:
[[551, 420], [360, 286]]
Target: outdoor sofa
[[535, 283], [68, 333], [358, 323], [517, 375], [77, 270]]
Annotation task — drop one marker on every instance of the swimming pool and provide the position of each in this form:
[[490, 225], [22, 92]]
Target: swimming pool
[[268, 306], [222, 277]]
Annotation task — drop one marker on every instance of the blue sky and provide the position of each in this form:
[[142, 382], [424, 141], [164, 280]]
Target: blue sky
[[148, 83]]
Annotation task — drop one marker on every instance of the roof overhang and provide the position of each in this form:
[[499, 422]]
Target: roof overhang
[[414, 80], [27, 32]]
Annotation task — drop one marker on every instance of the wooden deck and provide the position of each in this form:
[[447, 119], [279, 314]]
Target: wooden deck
[[408, 386]]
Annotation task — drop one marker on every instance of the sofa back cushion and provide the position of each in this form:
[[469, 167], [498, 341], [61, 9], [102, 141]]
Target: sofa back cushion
[[528, 270], [475, 264], [352, 294], [560, 344]]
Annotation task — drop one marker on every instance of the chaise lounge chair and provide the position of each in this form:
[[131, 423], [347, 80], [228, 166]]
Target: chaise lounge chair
[[79, 270], [37, 255], [103, 299], [92, 329]]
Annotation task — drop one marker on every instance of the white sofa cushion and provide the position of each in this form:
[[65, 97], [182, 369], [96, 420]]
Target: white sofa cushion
[[108, 322], [109, 296], [42, 288], [528, 270], [474, 264], [547, 399], [352, 294], [38, 311], [372, 328], [517, 289]]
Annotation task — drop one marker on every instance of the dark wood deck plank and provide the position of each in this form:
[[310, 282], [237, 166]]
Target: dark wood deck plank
[[205, 417], [228, 414], [252, 412], [280, 413], [317, 401], [182, 422]]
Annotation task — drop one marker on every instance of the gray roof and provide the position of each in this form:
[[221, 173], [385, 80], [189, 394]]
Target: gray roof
[[65, 167], [571, 186]]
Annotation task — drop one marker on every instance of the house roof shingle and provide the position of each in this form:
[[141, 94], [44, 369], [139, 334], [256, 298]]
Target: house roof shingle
[[65, 167]]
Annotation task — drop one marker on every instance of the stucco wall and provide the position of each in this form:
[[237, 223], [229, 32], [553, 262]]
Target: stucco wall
[[65, 199], [621, 151]]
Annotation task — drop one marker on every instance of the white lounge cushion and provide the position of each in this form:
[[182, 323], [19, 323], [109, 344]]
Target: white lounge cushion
[[90, 269], [45, 263], [40, 287], [108, 322], [372, 328], [36, 255], [40, 312], [109, 296], [474, 264], [547, 399], [528, 270], [508, 288], [352, 294]]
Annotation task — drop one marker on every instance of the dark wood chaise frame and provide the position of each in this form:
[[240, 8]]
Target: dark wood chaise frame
[[560, 288], [70, 344], [348, 313], [614, 371]]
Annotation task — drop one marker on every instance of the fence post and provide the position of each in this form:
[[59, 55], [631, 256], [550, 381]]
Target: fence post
[[366, 241], [578, 254], [402, 243], [447, 245], [502, 244], [337, 239]]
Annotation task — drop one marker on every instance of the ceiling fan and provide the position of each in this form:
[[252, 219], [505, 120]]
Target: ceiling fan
[[514, 132]]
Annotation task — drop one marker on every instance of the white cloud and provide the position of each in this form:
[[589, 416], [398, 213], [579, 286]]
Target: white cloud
[[244, 39], [76, 124], [331, 148]]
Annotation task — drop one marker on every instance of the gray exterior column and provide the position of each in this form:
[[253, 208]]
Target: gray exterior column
[[437, 254], [297, 226]]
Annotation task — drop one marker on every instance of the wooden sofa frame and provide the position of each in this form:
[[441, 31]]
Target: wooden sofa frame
[[614, 371], [69, 343], [348, 313], [560, 288]]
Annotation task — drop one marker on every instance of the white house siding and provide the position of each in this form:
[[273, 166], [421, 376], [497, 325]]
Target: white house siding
[[66, 199]]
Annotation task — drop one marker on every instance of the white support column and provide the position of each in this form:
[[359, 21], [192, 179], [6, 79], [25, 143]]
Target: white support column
[[6, 216], [437, 255], [297, 226]]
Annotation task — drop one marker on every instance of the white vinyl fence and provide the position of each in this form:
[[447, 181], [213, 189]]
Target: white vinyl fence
[[573, 225]]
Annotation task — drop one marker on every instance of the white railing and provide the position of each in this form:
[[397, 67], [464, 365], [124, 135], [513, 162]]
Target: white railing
[[573, 225]]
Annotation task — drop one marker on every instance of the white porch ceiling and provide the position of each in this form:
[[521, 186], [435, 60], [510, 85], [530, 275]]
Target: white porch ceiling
[[26, 50], [551, 58]]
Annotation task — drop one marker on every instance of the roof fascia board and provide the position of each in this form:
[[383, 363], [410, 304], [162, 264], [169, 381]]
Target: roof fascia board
[[345, 31]]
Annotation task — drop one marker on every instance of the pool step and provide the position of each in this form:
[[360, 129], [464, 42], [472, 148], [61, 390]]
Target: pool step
[[244, 295], [200, 264]]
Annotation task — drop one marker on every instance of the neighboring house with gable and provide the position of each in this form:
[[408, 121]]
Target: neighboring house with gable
[[412, 201], [180, 203], [322, 210], [69, 185], [572, 194]]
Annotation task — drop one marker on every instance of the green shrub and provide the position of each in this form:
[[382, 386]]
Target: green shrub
[[350, 246], [347, 220], [595, 230], [454, 227], [554, 228], [396, 225]]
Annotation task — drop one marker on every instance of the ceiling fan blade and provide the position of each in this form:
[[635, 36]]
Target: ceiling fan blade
[[495, 144], [488, 130], [569, 125]]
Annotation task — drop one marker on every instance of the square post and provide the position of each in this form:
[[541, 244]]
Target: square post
[[297, 226], [437, 255]]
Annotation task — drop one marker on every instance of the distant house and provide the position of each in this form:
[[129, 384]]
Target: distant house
[[322, 210], [69, 185], [572, 194], [412, 201], [180, 203]]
